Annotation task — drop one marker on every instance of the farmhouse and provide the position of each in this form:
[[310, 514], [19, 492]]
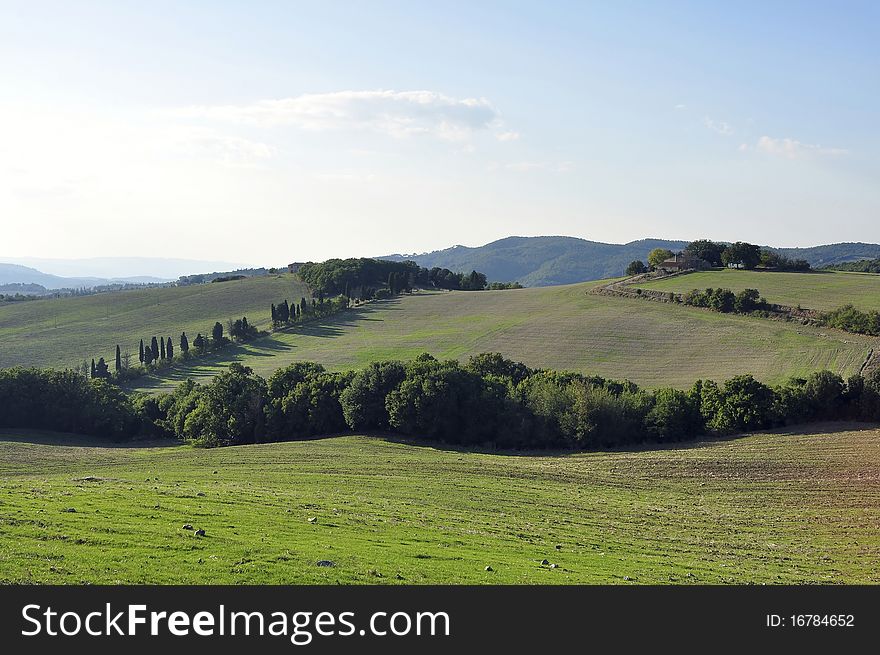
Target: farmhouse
[[294, 267], [681, 262]]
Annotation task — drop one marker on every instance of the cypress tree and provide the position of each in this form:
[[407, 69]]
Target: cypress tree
[[101, 369], [141, 352], [93, 367], [148, 356], [169, 349], [217, 333], [391, 281], [274, 315], [303, 306], [184, 342], [284, 312], [162, 348], [154, 348], [118, 359]]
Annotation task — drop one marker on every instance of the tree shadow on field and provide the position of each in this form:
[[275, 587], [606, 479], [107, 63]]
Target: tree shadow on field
[[806, 430], [47, 438], [267, 346]]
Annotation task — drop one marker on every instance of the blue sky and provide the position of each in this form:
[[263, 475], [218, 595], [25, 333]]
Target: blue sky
[[264, 132]]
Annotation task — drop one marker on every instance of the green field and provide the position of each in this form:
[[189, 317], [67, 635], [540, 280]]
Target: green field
[[774, 508], [62, 332], [818, 290], [560, 327]]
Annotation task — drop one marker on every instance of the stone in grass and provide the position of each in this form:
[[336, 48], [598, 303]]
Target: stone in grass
[[558, 546], [201, 494], [69, 510], [325, 562], [200, 533], [554, 566], [313, 519], [187, 526], [545, 562], [488, 569]]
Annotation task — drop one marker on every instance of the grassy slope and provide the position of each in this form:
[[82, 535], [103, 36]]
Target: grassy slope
[[777, 508], [91, 326], [823, 291], [558, 327]]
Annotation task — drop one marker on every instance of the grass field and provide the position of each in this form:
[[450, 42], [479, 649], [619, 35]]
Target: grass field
[[62, 332], [560, 327], [774, 508], [819, 290]]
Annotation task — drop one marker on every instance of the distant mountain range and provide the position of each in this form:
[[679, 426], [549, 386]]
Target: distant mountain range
[[110, 268], [17, 274], [544, 261]]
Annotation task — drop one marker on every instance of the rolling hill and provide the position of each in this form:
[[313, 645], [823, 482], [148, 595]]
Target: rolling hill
[[549, 260], [819, 290], [778, 508], [563, 327], [62, 332]]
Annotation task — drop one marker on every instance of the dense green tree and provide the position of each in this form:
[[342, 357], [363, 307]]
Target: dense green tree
[[708, 251], [154, 347], [162, 348], [141, 352], [184, 343], [275, 319], [658, 255], [636, 267], [363, 401], [200, 343], [149, 355], [741, 255], [93, 368], [229, 410], [102, 371], [118, 359], [283, 312], [169, 348], [675, 416], [217, 334]]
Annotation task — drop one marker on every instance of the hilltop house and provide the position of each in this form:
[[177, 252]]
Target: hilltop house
[[293, 268], [683, 261]]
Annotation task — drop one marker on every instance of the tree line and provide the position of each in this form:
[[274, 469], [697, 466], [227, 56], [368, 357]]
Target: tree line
[[487, 401], [350, 277], [160, 352], [706, 254], [861, 266]]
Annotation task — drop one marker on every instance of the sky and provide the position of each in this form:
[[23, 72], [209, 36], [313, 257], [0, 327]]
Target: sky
[[267, 132]]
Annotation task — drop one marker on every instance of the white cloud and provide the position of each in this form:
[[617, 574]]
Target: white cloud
[[507, 136], [721, 127], [229, 150], [397, 113], [792, 149], [680, 106]]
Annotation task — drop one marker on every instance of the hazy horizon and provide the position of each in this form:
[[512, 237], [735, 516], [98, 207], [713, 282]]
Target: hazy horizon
[[275, 132]]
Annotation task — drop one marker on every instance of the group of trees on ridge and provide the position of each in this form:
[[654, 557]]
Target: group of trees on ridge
[[861, 266], [714, 254], [351, 277], [489, 400], [160, 352]]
